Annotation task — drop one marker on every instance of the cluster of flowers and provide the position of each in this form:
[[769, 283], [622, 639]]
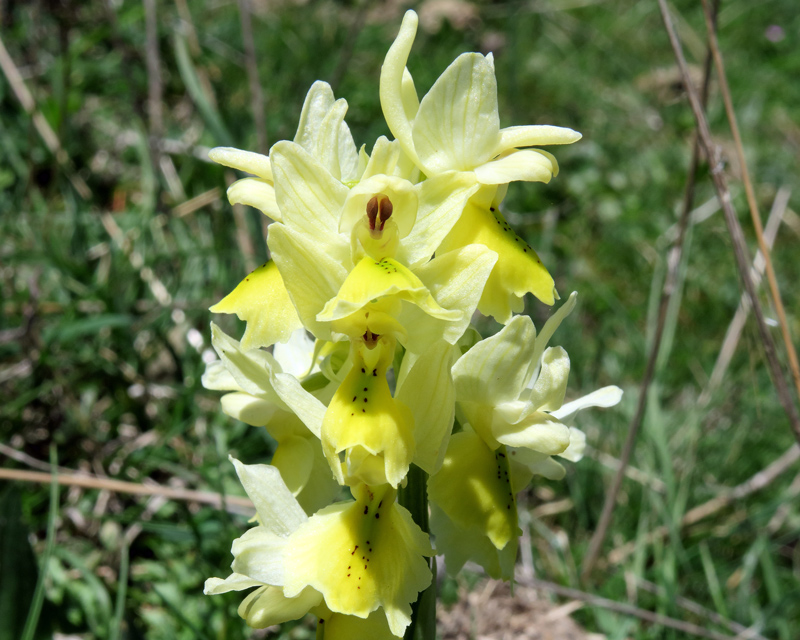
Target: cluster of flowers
[[384, 258]]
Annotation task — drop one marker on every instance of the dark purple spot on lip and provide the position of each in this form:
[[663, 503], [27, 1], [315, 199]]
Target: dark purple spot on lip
[[354, 398], [363, 370], [365, 399], [366, 510], [374, 372], [365, 566], [365, 388], [377, 516], [354, 550], [363, 411]]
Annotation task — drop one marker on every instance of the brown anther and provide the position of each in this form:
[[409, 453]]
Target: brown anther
[[385, 211], [379, 210], [372, 211], [370, 339]]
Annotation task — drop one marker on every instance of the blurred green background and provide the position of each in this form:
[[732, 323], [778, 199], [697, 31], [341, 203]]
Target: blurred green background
[[110, 257]]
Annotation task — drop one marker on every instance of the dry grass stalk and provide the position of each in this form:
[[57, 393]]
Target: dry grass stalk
[[751, 197], [736, 326], [735, 230], [233, 504], [755, 483], [256, 92], [673, 265], [41, 124]]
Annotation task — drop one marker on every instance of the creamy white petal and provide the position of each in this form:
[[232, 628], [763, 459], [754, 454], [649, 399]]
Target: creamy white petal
[[495, 370], [535, 136], [259, 555], [441, 201], [551, 385], [278, 510], [318, 102], [457, 126], [605, 397], [553, 322], [234, 582], [525, 164], [312, 276], [394, 86], [257, 193], [251, 410], [538, 432], [426, 387], [296, 355], [218, 378], [255, 163], [577, 445], [309, 197]]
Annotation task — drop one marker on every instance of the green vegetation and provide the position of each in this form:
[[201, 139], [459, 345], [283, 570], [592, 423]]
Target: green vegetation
[[104, 319]]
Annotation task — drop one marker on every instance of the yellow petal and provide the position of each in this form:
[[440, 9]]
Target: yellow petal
[[337, 626], [473, 488], [262, 301], [461, 545], [518, 270], [361, 555], [371, 279], [364, 420]]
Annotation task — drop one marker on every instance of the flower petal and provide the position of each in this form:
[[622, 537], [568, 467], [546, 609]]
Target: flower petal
[[537, 431], [309, 197], [442, 199], [457, 126], [316, 106], [553, 322], [518, 270], [605, 397], [217, 378], [234, 582], [526, 164], [496, 369], [278, 510], [426, 387], [577, 445], [538, 463], [247, 161], [262, 301], [364, 420], [456, 280], [259, 554], [312, 276], [251, 410], [361, 555], [396, 101], [256, 193], [473, 488], [551, 384], [534, 136], [371, 280], [268, 606]]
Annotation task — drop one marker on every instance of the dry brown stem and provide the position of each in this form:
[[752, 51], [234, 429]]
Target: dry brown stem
[[670, 281], [751, 197], [234, 504]]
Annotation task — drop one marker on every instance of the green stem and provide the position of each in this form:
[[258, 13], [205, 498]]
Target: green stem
[[414, 497]]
